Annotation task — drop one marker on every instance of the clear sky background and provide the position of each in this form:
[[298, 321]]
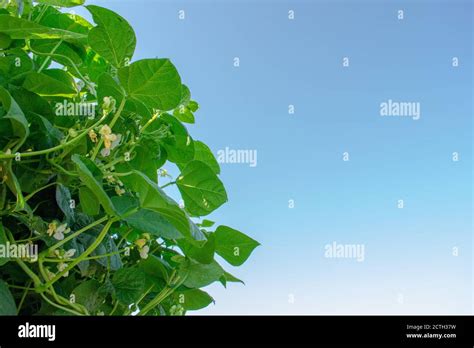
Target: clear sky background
[[409, 266]]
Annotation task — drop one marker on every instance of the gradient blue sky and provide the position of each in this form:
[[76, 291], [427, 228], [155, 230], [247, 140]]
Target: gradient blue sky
[[408, 252]]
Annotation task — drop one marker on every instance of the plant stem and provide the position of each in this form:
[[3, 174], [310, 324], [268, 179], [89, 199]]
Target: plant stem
[[55, 148], [23, 297], [49, 56], [168, 184], [74, 235], [86, 253], [59, 306], [39, 190]]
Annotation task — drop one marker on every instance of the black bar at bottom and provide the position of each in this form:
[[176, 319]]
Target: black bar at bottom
[[450, 331]]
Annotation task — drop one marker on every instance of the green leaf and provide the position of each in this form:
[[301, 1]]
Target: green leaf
[[113, 38], [201, 275], [153, 82], [183, 114], [107, 246], [155, 268], [43, 134], [234, 246], [206, 223], [227, 277], [63, 199], [202, 254], [193, 299], [180, 146], [89, 294], [14, 64], [52, 82], [16, 117], [129, 284], [204, 154], [62, 3], [7, 303], [89, 203], [149, 221], [91, 176], [64, 49], [153, 198], [18, 28], [201, 189], [108, 87], [5, 41]]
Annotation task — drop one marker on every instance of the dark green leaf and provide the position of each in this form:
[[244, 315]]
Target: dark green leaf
[[129, 284], [89, 294], [63, 199], [89, 203], [91, 176], [15, 116], [7, 303]]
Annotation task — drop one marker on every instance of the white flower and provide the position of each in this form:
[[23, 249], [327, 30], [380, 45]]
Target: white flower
[[144, 252], [57, 231], [61, 267], [70, 253]]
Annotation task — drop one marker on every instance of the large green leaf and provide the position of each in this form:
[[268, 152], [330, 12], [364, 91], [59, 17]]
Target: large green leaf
[[89, 203], [62, 3], [113, 38], [149, 221], [193, 299], [129, 284], [200, 275], [7, 303], [52, 82], [63, 199], [154, 199], [18, 28], [15, 116], [90, 294], [155, 268], [234, 246], [153, 82], [202, 254], [201, 189], [15, 63], [62, 51], [108, 87], [91, 176], [204, 154]]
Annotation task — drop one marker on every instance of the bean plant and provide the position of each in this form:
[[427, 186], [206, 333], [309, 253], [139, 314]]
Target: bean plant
[[85, 135]]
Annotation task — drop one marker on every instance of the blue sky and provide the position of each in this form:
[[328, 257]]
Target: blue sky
[[409, 267]]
